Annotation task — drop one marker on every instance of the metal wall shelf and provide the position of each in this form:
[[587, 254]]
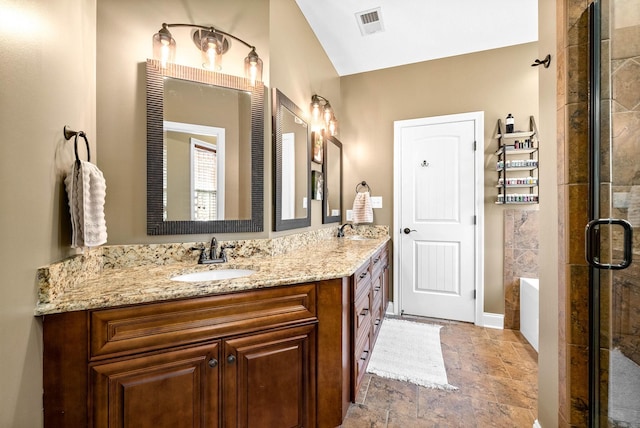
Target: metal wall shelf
[[510, 144]]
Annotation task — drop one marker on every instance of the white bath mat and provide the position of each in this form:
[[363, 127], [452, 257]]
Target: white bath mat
[[411, 352]]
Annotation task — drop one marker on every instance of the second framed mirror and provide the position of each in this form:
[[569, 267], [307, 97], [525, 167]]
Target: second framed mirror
[[291, 165], [332, 171]]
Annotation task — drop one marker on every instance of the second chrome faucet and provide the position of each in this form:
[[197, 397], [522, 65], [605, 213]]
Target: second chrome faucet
[[341, 229]]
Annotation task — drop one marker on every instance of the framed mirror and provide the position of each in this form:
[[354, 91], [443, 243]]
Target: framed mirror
[[291, 165], [205, 144], [332, 171]]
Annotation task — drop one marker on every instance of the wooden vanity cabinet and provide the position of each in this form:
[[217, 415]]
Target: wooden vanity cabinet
[[289, 356], [246, 359]]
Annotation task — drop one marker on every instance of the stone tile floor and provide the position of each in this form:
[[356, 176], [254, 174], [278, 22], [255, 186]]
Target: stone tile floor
[[496, 372]]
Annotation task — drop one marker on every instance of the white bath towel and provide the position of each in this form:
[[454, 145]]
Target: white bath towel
[[86, 188], [362, 210]]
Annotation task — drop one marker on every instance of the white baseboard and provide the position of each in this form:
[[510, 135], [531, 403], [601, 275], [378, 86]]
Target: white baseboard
[[536, 424], [490, 320], [390, 309]]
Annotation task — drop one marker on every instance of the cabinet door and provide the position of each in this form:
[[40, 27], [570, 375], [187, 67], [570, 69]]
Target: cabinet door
[[269, 379], [171, 389]]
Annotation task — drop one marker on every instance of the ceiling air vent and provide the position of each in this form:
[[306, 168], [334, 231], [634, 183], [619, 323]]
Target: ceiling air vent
[[370, 21]]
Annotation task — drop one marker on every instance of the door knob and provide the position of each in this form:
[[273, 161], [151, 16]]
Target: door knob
[[231, 359], [408, 231], [213, 363]]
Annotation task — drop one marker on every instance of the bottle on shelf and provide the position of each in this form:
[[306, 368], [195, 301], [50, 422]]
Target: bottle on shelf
[[509, 122]]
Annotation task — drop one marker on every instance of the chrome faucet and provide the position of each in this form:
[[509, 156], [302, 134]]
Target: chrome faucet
[[341, 229]]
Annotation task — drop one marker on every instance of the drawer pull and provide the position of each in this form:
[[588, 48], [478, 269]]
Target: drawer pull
[[231, 359], [364, 312], [376, 260], [364, 355], [377, 322], [376, 289], [213, 363], [363, 274]]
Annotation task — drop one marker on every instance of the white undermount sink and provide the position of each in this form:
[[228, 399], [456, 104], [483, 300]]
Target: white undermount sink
[[213, 275]]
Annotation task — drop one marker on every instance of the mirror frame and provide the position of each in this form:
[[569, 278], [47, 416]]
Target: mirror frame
[[155, 141], [326, 218], [281, 101]]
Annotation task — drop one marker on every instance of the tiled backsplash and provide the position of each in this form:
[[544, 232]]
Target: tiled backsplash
[[74, 270]]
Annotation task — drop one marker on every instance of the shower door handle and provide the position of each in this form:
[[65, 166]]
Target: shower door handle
[[592, 238]]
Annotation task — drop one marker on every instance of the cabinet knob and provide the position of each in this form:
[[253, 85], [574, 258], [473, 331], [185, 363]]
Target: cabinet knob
[[231, 359], [364, 312], [363, 274], [213, 363]]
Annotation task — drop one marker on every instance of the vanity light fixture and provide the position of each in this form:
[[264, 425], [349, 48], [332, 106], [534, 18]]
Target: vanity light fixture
[[320, 105], [212, 42]]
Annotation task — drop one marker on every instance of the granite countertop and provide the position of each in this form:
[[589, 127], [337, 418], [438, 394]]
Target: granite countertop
[[326, 259]]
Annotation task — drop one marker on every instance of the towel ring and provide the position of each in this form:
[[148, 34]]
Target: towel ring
[[363, 184], [68, 133]]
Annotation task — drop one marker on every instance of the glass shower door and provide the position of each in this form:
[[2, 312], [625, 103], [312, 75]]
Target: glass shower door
[[613, 235]]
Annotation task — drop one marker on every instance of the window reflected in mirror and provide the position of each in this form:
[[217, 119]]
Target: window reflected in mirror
[[204, 152]]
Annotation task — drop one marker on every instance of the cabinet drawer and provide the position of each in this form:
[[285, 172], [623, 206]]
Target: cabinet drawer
[[362, 316], [362, 279], [361, 359], [142, 328], [378, 261], [377, 315], [376, 288]]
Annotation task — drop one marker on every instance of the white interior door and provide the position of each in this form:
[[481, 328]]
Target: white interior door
[[438, 216]]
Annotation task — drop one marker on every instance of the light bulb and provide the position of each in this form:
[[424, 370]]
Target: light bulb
[[327, 113], [164, 47], [253, 67]]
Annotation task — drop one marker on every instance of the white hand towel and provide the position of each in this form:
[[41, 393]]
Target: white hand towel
[[362, 210], [86, 188]]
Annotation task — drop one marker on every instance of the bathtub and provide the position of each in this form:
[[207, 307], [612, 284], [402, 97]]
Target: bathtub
[[529, 310]]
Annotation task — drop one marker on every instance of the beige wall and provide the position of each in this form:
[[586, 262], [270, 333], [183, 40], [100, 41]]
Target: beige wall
[[47, 74], [497, 82], [548, 216]]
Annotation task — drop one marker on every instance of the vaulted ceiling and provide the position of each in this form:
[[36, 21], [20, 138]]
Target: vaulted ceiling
[[402, 32]]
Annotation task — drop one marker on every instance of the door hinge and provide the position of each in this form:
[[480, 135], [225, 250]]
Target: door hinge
[[474, 294], [475, 146], [475, 219]]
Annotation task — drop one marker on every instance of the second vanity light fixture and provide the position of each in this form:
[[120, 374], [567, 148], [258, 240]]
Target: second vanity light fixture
[[212, 42], [320, 107]]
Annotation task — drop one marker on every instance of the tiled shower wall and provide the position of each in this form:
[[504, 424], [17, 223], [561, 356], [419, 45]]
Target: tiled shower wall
[[573, 174], [521, 233], [625, 132], [620, 148]]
